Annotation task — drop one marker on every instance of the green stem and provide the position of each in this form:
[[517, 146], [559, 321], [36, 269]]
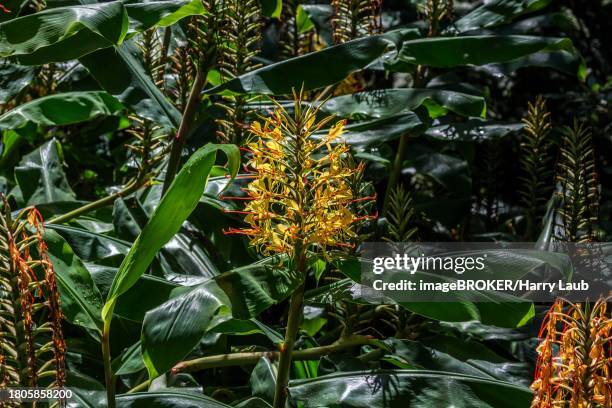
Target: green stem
[[140, 387], [103, 202], [239, 359], [109, 377], [396, 170], [285, 355], [193, 103]]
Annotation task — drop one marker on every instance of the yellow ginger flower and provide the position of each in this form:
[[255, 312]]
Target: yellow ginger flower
[[574, 365], [300, 198]]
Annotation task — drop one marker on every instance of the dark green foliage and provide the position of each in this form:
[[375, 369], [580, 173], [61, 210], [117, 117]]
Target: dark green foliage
[[107, 114]]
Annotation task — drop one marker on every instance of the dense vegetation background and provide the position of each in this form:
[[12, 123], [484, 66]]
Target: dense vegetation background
[[474, 122]]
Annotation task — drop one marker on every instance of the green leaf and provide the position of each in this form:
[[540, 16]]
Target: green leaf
[[304, 23], [495, 309], [263, 380], [61, 109], [331, 64], [272, 8], [144, 15], [121, 74], [175, 206], [80, 298], [389, 102], [13, 79], [130, 361], [562, 61], [92, 246], [173, 329], [473, 130], [146, 294], [375, 132], [409, 389], [63, 33], [41, 177], [446, 52], [496, 12], [168, 398]]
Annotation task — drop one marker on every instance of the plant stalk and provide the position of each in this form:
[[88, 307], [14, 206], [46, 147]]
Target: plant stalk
[[396, 170], [109, 377], [193, 103], [103, 202], [285, 355], [251, 358]]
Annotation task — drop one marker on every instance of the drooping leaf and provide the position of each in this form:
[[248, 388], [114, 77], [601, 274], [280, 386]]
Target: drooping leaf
[[389, 102], [375, 132], [168, 398], [495, 12], [147, 14], [446, 52], [66, 33], [409, 389], [330, 64], [473, 130], [61, 109], [175, 206], [452, 354], [63, 33], [121, 74], [92, 246]]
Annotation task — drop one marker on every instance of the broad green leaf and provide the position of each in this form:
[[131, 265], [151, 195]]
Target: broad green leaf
[[495, 12], [13, 79], [304, 23], [78, 30], [144, 15], [184, 255], [174, 208], [65, 33], [495, 309], [446, 52], [452, 354], [92, 246], [80, 298], [408, 389], [330, 64], [146, 294], [473, 130], [389, 102], [41, 177], [263, 380], [173, 329], [168, 398], [272, 8], [562, 61], [61, 109], [121, 74], [375, 132], [130, 361]]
